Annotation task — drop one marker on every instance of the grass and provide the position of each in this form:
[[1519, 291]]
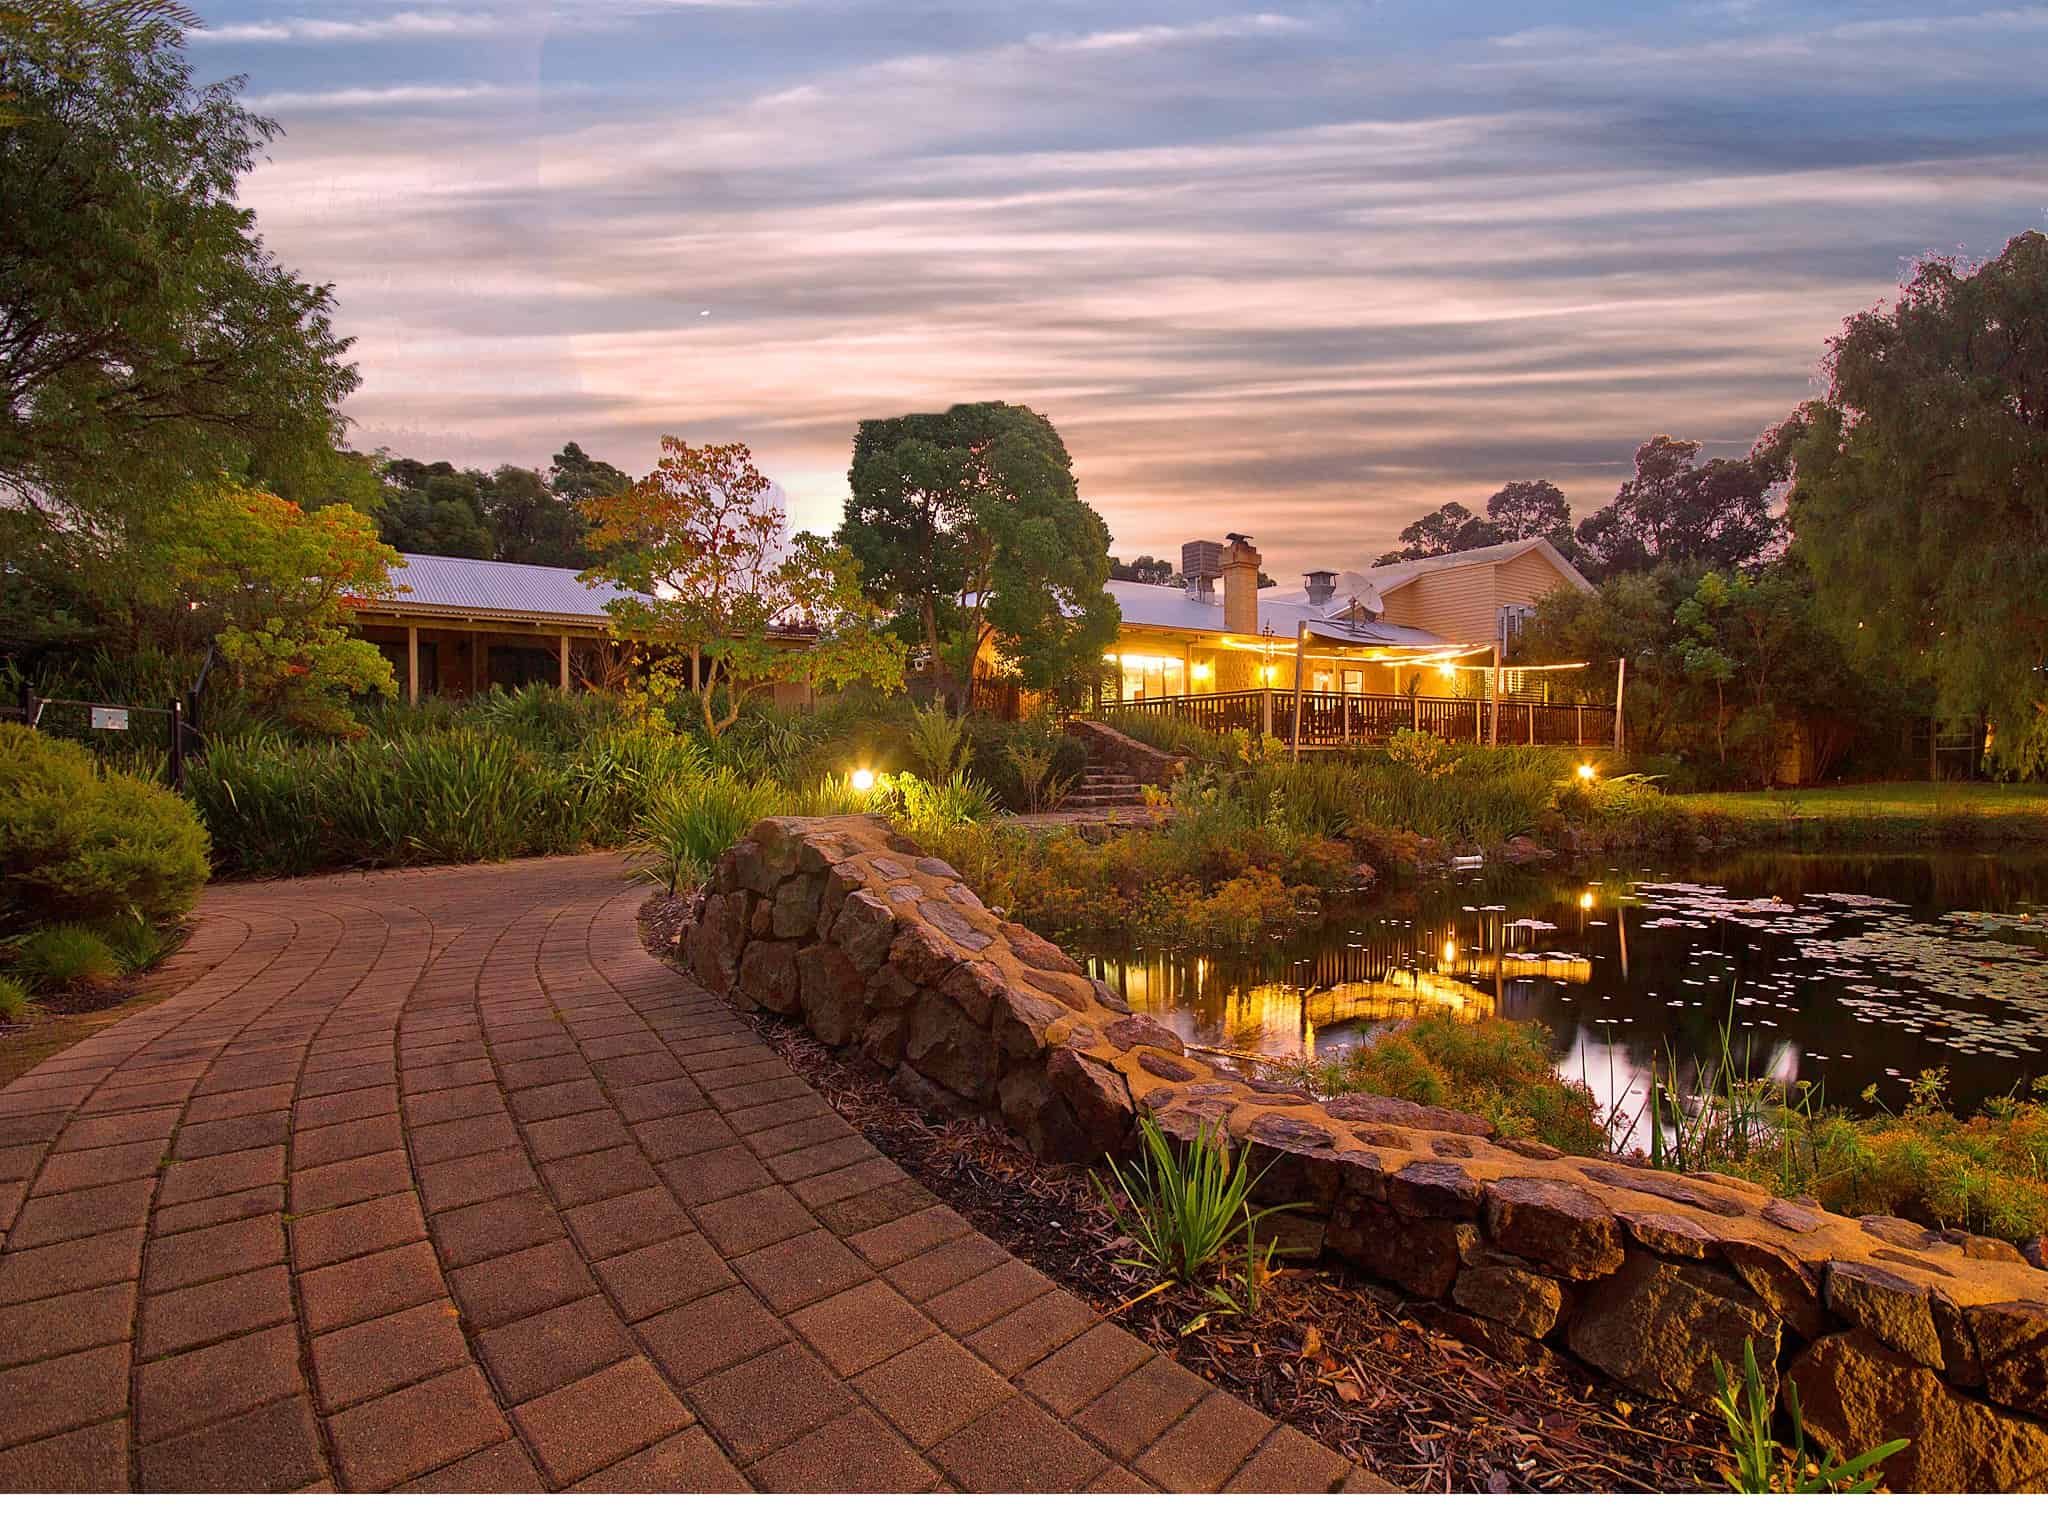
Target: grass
[[1182, 1205], [1947, 811]]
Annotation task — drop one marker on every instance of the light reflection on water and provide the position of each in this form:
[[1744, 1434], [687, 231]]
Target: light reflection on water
[[1841, 971]]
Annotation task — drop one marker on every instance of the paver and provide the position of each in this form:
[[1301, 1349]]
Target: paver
[[436, 1181]]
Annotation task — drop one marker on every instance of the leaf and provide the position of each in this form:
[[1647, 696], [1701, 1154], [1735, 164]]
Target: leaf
[[1311, 1342], [1350, 1390]]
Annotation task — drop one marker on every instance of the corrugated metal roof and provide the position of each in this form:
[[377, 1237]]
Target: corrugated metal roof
[[448, 582], [1173, 608]]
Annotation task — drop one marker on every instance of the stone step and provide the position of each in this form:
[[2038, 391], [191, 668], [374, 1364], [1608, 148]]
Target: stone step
[[1082, 800]]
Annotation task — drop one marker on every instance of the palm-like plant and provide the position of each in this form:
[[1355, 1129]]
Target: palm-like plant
[[1182, 1206], [1759, 1464]]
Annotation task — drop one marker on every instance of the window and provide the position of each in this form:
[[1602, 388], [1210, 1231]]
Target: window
[[1151, 677], [1513, 617]]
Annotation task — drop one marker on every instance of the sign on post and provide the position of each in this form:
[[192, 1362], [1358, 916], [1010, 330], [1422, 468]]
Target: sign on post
[[104, 719]]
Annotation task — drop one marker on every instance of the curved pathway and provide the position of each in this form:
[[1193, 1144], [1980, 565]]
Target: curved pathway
[[437, 1180]]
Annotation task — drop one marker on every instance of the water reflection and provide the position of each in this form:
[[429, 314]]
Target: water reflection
[[1842, 971]]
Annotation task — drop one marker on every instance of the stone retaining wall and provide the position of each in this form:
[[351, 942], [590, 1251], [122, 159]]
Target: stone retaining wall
[[1888, 1329]]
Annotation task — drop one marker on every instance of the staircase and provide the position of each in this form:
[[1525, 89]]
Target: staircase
[[1103, 789]]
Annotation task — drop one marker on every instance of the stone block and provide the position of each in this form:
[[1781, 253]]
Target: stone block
[[830, 988], [1897, 1310], [1509, 1293], [795, 914], [768, 974], [1659, 1327], [864, 929], [1556, 1225], [1421, 1256], [951, 1049]]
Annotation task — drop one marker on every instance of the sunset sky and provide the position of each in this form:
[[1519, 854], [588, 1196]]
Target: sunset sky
[[1301, 273]]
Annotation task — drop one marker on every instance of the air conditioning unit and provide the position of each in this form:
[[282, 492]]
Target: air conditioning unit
[[1201, 562]]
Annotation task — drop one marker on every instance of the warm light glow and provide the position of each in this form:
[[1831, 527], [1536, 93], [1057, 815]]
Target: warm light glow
[[1588, 773], [1267, 673], [1448, 670], [1585, 901], [1201, 671], [1450, 950], [863, 779]]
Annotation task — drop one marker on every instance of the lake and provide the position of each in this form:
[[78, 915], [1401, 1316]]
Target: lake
[[1842, 970]]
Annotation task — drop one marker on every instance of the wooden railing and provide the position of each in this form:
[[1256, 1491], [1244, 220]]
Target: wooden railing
[[1338, 720]]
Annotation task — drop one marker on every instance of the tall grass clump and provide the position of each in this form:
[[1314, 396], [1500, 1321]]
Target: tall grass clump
[[14, 1000], [66, 955], [688, 826], [1182, 1206], [937, 740]]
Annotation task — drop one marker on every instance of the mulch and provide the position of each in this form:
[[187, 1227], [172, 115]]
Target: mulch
[[1352, 1364]]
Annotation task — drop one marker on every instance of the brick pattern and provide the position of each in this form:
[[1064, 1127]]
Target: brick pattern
[[435, 1180]]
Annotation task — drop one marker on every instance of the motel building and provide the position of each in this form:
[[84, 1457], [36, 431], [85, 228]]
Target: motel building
[[1423, 645]]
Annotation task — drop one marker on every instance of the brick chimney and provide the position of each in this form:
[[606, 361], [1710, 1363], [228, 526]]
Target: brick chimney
[[1240, 585]]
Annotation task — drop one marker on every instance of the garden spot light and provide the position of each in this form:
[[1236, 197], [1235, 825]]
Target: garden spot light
[[1585, 901], [863, 779], [1588, 773]]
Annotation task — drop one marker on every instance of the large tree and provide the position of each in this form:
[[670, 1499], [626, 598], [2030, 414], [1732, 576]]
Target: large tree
[[1674, 508], [969, 526], [148, 339], [531, 522], [434, 509], [1450, 528], [720, 588], [1148, 569], [1921, 495], [1528, 509]]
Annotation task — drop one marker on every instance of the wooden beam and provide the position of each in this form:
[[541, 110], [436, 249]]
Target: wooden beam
[[476, 664], [412, 663], [564, 648], [1620, 677], [1493, 730]]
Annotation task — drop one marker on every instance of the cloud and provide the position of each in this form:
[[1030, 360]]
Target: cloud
[[1285, 275], [413, 25]]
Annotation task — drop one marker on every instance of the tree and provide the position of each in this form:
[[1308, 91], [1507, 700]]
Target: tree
[[576, 477], [701, 542], [970, 528], [147, 337], [272, 583], [1149, 569], [1921, 493], [531, 522], [1719, 512], [1450, 528], [434, 509], [1528, 509]]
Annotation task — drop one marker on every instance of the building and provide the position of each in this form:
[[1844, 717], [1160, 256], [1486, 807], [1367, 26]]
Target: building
[[1424, 626], [458, 627]]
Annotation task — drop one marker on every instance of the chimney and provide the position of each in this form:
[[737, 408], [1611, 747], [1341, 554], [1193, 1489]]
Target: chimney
[[1322, 586], [1240, 585]]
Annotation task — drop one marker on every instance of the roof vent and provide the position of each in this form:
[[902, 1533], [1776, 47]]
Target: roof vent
[[1322, 586], [1201, 562]]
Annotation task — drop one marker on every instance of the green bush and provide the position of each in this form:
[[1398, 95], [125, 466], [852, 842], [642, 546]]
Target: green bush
[[66, 955], [998, 752], [13, 1001], [137, 943], [688, 826], [82, 843]]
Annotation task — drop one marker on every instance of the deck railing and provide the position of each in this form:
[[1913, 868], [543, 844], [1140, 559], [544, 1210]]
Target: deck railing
[[1339, 720]]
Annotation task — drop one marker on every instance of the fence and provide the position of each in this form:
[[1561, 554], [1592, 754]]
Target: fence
[[143, 730], [1338, 720]]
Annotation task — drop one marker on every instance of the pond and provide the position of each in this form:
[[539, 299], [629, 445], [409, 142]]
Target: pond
[[1838, 970]]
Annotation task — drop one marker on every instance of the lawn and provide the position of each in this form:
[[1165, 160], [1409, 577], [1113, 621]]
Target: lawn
[[1887, 811]]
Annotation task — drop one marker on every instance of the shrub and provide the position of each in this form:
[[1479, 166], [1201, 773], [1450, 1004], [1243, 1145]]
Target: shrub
[[67, 955], [937, 739], [927, 809], [687, 827], [1024, 762], [1182, 1205], [13, 1001], [137, 943], [81, 843]]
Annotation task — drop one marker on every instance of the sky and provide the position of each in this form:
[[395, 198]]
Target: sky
[[1303, 273]]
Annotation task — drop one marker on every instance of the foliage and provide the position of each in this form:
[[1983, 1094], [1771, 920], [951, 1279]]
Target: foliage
[[14, 1001], [1496, 1067], [937, 736], [689, 825], [1719, 513], [1149, 569], [65, 955], [834, 795], [78, 842], [1921, 498], [147, 337], [1759, 1464], [970, 528], [137, 943], [509, 513], [1181, 1205], [700, 541], [929, 809], [1008, 756], [1521, 509]]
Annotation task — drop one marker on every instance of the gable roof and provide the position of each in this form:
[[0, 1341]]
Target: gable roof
[[1389, 578], [451, 585], [1340, 619]]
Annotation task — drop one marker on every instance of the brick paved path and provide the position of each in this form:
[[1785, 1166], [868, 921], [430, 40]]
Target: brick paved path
[[437, 1180]]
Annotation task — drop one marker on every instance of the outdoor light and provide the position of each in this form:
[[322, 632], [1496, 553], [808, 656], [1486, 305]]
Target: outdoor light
[[1447, 669], [1585, 901], [1450, 950], [1201, 671], [1588, 773], [863, 779]]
